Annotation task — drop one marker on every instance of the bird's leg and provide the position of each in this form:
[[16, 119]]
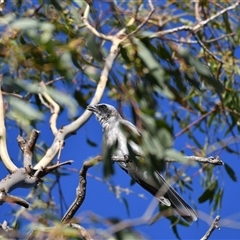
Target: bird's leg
[[127, 158]]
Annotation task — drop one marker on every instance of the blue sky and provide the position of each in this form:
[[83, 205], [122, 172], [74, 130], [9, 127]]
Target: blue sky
[[102, 202]]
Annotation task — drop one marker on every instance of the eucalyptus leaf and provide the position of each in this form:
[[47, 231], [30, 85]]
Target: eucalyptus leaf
[[26, 109]]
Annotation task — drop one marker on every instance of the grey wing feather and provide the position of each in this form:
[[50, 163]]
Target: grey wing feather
[[130, 126], [132, 129]]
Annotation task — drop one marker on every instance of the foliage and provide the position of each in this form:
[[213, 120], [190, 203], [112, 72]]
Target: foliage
[[177, 68]]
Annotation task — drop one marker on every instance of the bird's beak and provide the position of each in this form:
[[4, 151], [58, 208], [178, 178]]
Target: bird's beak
[[92, 108]]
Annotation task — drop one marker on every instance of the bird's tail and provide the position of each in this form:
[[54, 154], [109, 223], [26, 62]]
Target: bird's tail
[[161, 189], [177, 202]]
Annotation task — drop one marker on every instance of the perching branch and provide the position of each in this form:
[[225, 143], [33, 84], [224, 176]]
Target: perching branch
[[210, 160], [81, 189], [212, 228]]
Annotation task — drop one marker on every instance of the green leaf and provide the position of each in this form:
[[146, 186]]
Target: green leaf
[[25, 109], [230, 172], [108, 169], [126, 205], [209, 192], [174, 228], [176, 155], [155, 69], [165, 138], [64, 99], [24, 24], [91, 143], [218, 200], [94, 48], [202, 69]]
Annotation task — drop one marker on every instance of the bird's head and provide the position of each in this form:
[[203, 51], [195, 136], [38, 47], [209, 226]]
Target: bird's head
[[104, 113]]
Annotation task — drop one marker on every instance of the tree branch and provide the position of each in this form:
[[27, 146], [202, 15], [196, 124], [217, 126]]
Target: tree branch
[[28, 148], [212, 228], [54, 110], [210, 160], [81, 189], [195, 28], [83, 232], [11, 167]]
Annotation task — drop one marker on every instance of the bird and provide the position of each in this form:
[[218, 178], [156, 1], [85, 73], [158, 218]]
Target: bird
[[113, 135]]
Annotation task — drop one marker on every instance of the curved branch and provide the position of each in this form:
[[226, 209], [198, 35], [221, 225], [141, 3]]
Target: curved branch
[[54, 111], [83, 232], [81, 189], [11, 167]]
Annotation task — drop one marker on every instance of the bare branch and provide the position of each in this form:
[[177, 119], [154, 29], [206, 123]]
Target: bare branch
[[83, 232], [11, 167], [5, 197], [92, 29], [183, 40], [197, 27], [196, 121], [52, 168], [5, 226], [81, 189], [28, 151], [210, 160], [206, 49], [212, 228], [54, 111]]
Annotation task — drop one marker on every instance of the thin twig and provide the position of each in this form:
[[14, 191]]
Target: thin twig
[[212, 228], [206, 49], [195, 122]]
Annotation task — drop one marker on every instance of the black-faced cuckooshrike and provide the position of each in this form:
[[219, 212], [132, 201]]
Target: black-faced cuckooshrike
[[154, 182]]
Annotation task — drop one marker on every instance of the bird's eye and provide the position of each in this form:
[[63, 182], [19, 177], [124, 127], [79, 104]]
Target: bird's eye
[[103, 107]]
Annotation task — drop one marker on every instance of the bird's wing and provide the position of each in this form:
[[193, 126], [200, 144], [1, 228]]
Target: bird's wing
[[132, 130], [130, 127]]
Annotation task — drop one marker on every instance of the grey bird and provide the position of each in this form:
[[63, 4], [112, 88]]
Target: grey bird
[[153, 182]]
